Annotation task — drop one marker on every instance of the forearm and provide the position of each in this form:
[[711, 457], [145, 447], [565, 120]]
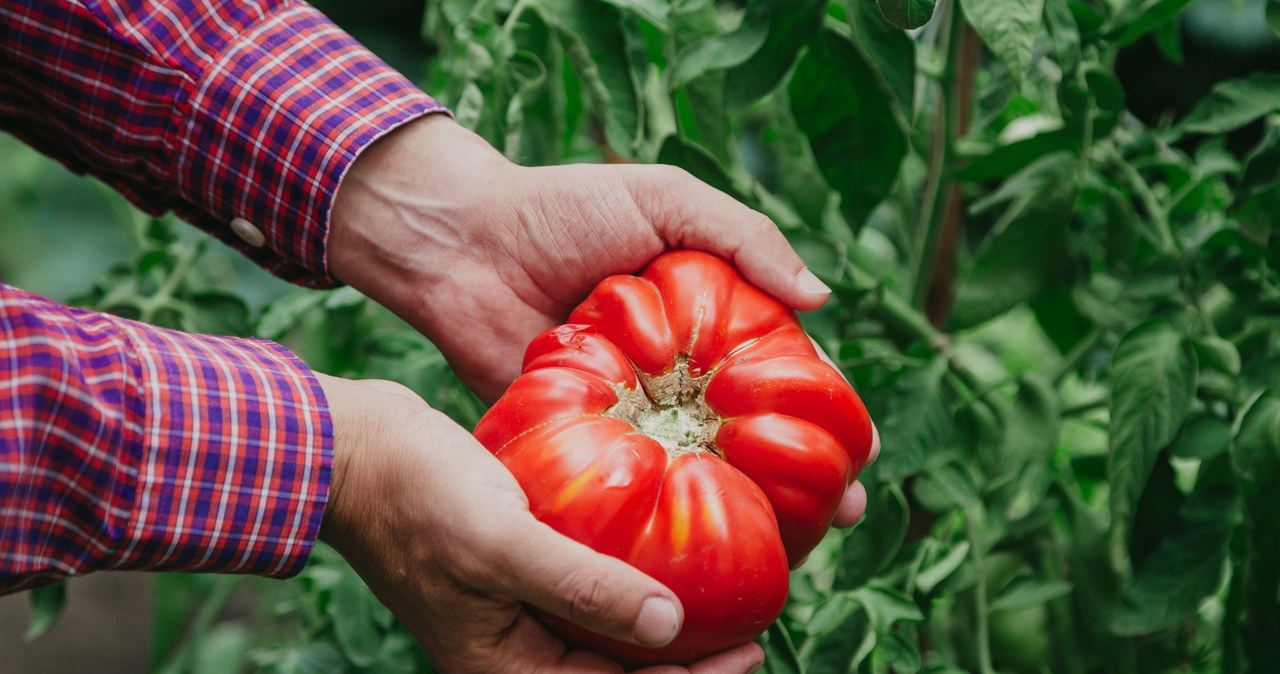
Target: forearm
[[223, 112], [124, 446]]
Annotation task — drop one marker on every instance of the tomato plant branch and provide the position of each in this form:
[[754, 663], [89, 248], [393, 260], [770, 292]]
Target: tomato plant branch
[[942, 210], [513, 18], [977, 556], [940, 291], [1076, 356], [1150, 202], [148, 306], [1086, 406]]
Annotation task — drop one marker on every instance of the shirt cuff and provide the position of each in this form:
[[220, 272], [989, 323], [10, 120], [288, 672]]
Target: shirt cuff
[[275, 123], [234, 460]]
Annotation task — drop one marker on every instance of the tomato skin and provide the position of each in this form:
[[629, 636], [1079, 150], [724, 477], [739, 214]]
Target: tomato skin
[[682, 422]]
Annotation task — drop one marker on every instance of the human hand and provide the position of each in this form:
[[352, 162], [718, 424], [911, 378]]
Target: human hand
[[481, 254], [443, 536]]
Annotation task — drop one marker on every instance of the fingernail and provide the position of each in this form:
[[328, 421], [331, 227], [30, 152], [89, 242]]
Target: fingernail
[[875, 444], [811, 284], [658, 623]]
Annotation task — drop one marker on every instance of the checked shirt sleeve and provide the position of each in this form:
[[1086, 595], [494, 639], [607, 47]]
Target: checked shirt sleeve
[[124, 446], [241, 116]]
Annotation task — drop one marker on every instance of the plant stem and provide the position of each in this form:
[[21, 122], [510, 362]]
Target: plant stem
[[509, 25], [980, 596], [1073, 359], [942, 209], [1086, 406], [148, 307], [1150, 202]]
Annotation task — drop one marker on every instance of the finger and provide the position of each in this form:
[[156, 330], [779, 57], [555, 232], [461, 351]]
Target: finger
[[740, 660], [527, 647], [852, 506], [688, 213], [606, 595]]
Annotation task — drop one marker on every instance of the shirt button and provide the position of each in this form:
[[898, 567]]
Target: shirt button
[[247, 231]]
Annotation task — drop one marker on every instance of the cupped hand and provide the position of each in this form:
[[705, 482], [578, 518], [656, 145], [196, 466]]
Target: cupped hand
[[481, 254], [442, 534]]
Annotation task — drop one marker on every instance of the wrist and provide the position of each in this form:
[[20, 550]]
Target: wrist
[[407, 209]]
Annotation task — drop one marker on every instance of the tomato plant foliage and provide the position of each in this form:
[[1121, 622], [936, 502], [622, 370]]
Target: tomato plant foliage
[[1063, 319]]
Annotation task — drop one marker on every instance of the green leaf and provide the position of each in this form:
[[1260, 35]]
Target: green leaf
[[837, 632], [1028, 248], [653, 11], [702, 115], [1009, 28], [282, 316], [47, 603], [1169, 38], [900, 651], [888, 606], [780, 652], [887, 48], [695, 160], [1202, 438], [1005, 160], [1261, 169], [933, 575], [791, 24], [1216, 353], [1234, 103], [1023, 592], [220, 313], [1139, 17], [1065, 33], [908, 14], [718, 52], [1153, 374], [841, 106], [913, 419], [177, 635], [312, 658], [869, 547], [1256, 453], [1033, 422], [470, 106], [592, 34], [535, 118], [1184, 569], [944, 488], [222, 650], [353, 626], [1273, 16]]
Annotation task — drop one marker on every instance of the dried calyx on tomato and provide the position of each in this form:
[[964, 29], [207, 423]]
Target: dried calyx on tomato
[[682, 421]]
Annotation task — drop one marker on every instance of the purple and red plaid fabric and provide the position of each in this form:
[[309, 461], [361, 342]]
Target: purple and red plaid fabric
[[130, 447], [215, 109], [125, 446]]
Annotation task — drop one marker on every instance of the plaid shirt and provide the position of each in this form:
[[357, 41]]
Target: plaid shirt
[[127, 446]]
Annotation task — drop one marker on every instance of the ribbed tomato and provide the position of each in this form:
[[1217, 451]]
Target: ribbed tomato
[[683, 422]]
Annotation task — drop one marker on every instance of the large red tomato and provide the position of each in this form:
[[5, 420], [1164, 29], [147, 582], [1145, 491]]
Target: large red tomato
[[682, 421]]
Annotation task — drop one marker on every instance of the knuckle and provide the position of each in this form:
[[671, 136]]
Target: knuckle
[[589, 597], [759, 223]]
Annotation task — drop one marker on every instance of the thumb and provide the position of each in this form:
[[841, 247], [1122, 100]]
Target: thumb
[[601, 593]]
